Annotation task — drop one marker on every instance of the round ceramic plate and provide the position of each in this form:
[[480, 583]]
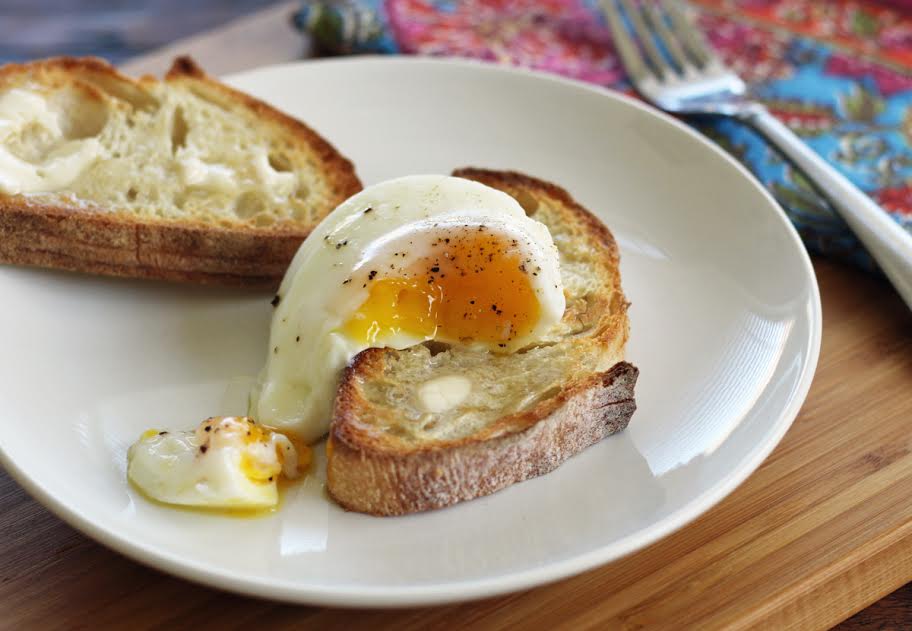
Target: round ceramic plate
[[725, 328]]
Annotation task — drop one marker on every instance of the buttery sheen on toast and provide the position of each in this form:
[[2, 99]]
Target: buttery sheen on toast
[[396, 446], [181, 179]]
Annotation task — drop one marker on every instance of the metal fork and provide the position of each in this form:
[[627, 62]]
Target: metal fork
[[676, 70]]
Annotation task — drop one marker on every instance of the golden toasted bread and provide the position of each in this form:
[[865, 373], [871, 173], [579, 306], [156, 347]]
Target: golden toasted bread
[[397, 445], [182, 179]]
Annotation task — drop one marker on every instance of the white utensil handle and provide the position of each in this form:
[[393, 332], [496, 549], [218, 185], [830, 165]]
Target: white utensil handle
[[886, 240]]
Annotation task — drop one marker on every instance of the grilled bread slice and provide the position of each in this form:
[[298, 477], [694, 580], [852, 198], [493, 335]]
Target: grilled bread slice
[[432, 425], [182, 179]]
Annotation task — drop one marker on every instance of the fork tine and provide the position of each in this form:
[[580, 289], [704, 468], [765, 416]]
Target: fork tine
[[666, 36], [626, 47], [653, 54], [689, 35]]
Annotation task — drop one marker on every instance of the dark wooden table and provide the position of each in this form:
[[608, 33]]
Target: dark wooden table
[[892, 612]]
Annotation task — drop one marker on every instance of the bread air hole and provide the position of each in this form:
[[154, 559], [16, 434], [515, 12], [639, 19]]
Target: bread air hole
[[80, 117], [249, 204], [398, 430], [532, 347], [528, 202], [178, 130], [279, 162], [436, 347], [131, 194]]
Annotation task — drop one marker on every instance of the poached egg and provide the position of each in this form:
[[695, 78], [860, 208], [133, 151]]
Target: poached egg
[[405, 261], [227, 462]]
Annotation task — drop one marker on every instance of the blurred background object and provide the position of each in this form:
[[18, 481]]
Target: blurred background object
[[114, 30]]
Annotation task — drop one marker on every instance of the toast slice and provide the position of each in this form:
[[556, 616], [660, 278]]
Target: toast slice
[[397, 446], [182, 179]]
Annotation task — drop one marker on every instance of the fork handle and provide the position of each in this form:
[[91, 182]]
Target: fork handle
[[885, 240]]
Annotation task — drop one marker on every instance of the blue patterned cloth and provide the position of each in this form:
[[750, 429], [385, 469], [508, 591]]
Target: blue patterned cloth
[[850, 104]]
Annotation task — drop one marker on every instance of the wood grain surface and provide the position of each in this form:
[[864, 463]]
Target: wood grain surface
[[820, 531]]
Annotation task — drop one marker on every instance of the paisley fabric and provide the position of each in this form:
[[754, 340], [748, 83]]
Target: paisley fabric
[[838, 72]]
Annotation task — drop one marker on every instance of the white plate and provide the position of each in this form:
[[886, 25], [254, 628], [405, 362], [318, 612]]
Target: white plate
[[725, 331]]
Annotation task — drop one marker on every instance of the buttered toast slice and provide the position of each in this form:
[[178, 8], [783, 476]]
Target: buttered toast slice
[[433, 425], [182, 179]]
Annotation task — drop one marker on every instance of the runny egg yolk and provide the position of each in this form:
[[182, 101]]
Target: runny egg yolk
[[474, 286], [255, 468]]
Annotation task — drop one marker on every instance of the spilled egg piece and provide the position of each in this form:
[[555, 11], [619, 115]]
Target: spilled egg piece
[[227, 462], [405, 261]]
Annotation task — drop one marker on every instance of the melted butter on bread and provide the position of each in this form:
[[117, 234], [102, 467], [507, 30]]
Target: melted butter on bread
[[443, 393], [24, 111]]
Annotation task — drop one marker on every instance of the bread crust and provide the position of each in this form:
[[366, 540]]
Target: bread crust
[[386, 484], [116, 245], [110, 242], [372, 473]]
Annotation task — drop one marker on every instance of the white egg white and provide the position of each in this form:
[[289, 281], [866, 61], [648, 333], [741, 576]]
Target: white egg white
[[373, 230]]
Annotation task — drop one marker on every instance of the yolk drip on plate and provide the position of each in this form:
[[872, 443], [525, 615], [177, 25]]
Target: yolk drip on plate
[[474, 286]]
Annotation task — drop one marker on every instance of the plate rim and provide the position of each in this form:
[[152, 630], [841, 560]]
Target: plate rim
[[459, 591]]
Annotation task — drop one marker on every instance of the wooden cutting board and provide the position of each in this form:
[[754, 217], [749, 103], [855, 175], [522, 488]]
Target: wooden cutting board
[[820, 531]]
